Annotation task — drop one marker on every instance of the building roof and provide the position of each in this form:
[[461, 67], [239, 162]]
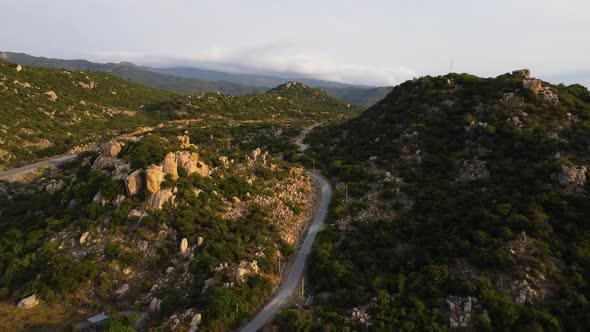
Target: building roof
[[98, 318]]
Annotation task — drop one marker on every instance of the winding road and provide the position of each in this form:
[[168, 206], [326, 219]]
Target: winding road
[[15, 173], [289, 285], [292, 281]]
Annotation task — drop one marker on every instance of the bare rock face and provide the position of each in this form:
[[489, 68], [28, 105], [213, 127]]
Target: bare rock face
[[169, 165], [191, 164], [111, 149], [160, 197], [571, 175], [29, 302], [532, 84], [52, 95], [183, 245], [134, 182], [154, 177]]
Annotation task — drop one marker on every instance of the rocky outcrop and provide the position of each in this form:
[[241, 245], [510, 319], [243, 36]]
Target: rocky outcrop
[[200, 241], [195, 322], [255, 154], [153, 178], [189, 161], [118, 200], [89, 86], [532, 84], [52, 95], [155, 305], [184, 140], [571, 175], [18, 68], [548, 95], [244, 269], [122, 290], [460, 310], [29, 302], [522, 73], [169, 165], [183, 245], [134, 183], [54, 186], [160, 197], [121, 170], [472, 170]]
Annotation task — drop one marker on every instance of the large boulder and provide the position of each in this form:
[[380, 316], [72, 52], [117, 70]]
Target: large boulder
[[54, 186], [160, 197], [532, 84], [29, 302], [154, 177], [191, 164], [169, 165], [83, 238], [134, 182], [111, 149]]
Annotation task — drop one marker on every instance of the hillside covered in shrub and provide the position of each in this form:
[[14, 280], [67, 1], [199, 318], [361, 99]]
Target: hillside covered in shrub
[[461, 202]]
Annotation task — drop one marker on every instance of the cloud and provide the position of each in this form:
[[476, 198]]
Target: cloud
[[275, 58]]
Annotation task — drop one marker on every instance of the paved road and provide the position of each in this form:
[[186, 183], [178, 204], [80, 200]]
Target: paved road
[[15, 173], [292, 281]]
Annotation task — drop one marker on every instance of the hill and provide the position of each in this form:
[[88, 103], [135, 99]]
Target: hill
[[461, 202], [45, 112], [188, 80]]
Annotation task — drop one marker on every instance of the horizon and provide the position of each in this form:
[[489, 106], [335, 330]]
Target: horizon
[[379, 43]]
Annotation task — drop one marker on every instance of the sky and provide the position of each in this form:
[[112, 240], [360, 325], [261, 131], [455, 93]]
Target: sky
[[375, 42]]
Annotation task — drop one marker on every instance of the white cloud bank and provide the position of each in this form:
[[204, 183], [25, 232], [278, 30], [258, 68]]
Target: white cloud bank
[[270, 59]]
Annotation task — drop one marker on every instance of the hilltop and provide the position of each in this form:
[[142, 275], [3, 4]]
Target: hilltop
[[467, 202], [46, 112], [193, 80]]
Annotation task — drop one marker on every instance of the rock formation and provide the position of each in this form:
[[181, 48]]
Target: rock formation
[[155, 305], [169, 165], [160, 197], [83, 238], [111, 149], [134, 183], [571, 175], [185, 141], [153, 178], [532, 84]]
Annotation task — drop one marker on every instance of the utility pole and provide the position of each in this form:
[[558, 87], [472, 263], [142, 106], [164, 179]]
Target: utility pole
[[451, 65], [302, 287], [346, 193]]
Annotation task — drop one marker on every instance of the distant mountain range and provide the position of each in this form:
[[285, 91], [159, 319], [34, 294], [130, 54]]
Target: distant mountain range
[[187, 80]]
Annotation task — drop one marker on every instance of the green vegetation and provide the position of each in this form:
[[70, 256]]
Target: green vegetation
[[441, 224]]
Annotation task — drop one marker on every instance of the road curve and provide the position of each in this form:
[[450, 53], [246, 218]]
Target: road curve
[[292, 281], [14, 173]]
